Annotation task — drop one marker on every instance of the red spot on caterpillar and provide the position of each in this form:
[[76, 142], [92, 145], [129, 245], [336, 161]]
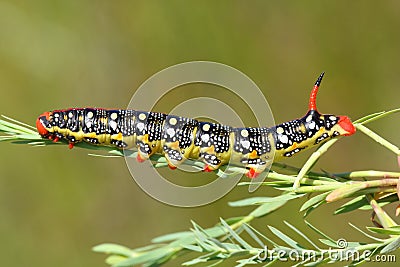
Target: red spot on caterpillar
[[56, 139], [252, 173], [346, 124], [71, 145], [40, 127], [207, 168], [139, 158], [172, 167]]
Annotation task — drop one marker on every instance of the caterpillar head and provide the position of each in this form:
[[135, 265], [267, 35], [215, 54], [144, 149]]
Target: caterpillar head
[[343, 124], [42, 124], [346, 126]]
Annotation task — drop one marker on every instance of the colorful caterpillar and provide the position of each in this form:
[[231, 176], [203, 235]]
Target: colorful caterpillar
[[179, 138]]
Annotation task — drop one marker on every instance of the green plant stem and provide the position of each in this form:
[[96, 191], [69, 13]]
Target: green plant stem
[[311, 161], [383, 217], [376, 116], [244, 220], [368, 174], [306, 181], [378, 139], [356, 188]]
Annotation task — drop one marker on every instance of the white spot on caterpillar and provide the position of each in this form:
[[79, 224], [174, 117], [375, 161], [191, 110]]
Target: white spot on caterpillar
[[205, 137], [70, 114], [206, 127], [140, 126], [280, 130], [172, 121], [170, 132], [284, 139], [311, 125], [244, 133], [309, 118], [56, 115], [332, 118], [142, 116], [245, 144], [114, 116], [113, 125], [90, 115]]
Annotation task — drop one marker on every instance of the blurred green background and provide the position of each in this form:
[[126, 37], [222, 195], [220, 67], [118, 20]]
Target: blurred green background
[[56, 203]]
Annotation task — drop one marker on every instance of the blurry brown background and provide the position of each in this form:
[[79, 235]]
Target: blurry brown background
[[55, 204]]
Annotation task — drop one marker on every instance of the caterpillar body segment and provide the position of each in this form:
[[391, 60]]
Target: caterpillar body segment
[[178, 138], [253, 148]]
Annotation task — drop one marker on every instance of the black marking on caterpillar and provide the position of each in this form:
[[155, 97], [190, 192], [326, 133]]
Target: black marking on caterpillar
[[179, 138]]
